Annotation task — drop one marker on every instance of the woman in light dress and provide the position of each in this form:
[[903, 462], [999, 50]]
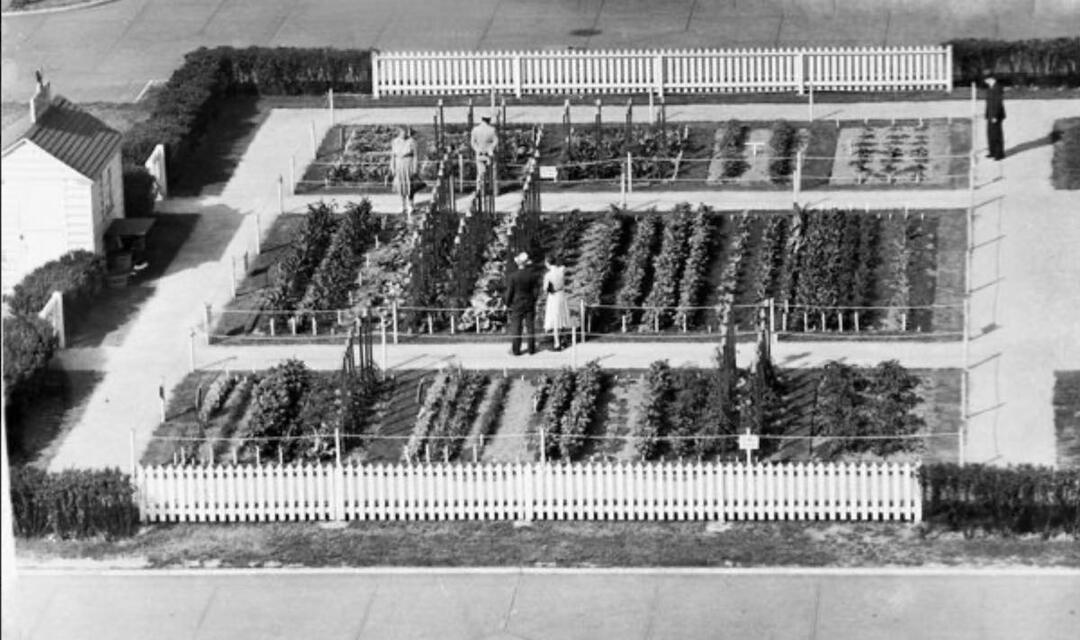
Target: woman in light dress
[[556, 309], [404, 166]]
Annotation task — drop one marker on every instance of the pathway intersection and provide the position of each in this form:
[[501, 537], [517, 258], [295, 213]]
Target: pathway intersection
[[1022, 322]]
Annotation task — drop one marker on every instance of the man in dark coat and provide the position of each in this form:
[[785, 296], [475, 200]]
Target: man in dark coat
[[995, 115], [522, 289]]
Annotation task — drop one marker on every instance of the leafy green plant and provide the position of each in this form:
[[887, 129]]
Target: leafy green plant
[[216, 395], [434, 398], [728, 148], [782, 146], [637, 265], [595, 260], [276, 403], [335, 276], [668, 269], [140, 192], [654, 423], [293, 272], [697, 258], [558, 404], [582, 411]]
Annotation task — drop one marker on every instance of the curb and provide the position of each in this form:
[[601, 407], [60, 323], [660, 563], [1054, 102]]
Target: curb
[[643, 571], [64, 9]]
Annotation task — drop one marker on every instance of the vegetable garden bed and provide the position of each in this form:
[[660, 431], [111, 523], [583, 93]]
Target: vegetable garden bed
[[588, 413], [831, 273]]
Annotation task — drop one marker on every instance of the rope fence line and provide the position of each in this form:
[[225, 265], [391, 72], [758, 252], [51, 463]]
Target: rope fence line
[[360, 436]]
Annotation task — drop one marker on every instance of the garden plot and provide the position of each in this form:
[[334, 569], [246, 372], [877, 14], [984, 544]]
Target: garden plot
[[752, 156], [585, 414], [829, 273], [356, 158], [931, 153]]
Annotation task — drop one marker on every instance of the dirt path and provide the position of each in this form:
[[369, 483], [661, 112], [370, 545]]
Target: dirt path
[[510, 442]]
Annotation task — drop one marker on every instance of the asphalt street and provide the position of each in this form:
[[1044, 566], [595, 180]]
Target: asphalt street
[[110, 51], [540, 604]]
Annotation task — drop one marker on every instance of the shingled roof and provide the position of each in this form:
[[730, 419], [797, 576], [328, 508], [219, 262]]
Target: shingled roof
[[74, 137]]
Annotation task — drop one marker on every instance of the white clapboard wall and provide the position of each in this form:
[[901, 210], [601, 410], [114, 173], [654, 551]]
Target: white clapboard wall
[[532, 491], [523, 73]]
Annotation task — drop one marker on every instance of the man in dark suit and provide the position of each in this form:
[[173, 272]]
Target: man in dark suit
[[522, 289], [995, 115]]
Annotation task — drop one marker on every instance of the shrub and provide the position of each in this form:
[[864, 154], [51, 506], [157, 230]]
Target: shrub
[[728, 148], [1045, 62], [28, 346], [140, 192], [1066, 163], [668, 266], [1012, 500], [77, 275], [576, 422], [335, 276], [637, 266], [293, 272], [697, 259], [560, 397], [216, 395], [276, 402], [593, 268], [73, 504]]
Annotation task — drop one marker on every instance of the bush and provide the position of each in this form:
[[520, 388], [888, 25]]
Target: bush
[[1013, 500], [73, 504], [653, 425], [1049, 62], [1066, 163], [77, 275], [140, 192], [276, 402], [192, 96], [28, 346]]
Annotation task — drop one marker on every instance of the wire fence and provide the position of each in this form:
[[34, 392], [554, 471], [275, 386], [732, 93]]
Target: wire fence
[[397, 323]]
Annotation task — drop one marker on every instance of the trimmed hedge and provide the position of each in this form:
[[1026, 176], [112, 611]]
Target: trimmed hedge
[[1012, 500], [187, 104], [29, 344], [1053, 62], [1066, 162], [78, 275], [139, 192], [73, 504]]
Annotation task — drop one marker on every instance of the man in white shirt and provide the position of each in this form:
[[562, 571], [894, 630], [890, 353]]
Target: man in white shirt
[[484, 141]]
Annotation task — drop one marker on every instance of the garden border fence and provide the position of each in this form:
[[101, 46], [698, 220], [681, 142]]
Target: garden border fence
[[662, 71], [533, 491]]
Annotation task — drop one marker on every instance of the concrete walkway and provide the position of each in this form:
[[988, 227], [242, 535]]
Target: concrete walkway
[[1024, 277], [539, 604]]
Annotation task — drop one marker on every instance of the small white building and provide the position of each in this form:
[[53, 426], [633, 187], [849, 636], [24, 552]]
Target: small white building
[[63, 184]]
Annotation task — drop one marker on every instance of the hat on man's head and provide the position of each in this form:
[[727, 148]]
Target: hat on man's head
[[521, 259], [486, 117]]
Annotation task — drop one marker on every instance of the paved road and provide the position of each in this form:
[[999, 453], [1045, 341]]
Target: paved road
[[544, 604], [109, 52]]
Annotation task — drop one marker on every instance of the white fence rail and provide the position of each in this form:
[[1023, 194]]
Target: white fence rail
[[53, 313], [662, 71], [592, 491]]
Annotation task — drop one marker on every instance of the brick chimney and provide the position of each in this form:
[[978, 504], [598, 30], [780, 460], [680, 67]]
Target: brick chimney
[[42, 99]]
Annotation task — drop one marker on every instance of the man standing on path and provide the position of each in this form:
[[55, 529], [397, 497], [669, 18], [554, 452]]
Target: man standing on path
[[995, 114], [522, 289], [484, 139]]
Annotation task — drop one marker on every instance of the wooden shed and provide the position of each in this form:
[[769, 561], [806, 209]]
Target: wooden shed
[[62, 184]]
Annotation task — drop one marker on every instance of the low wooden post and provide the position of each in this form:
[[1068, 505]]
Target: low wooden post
[[394, 318], [382, 338], [629, 173], [330, 97], [470, 119], [581, 307], [273, 328], [206, 322], [430, 325], [628, 132], [856, 321]]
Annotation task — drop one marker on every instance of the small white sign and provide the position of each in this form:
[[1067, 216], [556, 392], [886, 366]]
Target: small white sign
[[549, 173], [748, 442]]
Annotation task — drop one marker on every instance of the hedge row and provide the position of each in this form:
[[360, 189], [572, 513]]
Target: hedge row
[[29, 344], [73, 504], [1012, 500], [1066, 162], [192, 96], [78, 275], [1051, 62]]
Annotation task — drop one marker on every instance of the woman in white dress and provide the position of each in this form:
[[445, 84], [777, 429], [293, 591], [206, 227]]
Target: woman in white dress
[[404, 165], [556, 309]]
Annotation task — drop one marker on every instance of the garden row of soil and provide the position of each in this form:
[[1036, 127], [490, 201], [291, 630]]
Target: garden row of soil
[[586, 414], [932, 153]]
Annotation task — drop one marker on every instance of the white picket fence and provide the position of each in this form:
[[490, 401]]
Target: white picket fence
[[662, 71], [533, 491]]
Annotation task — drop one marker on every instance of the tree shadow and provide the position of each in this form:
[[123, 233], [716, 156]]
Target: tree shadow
[[207, 169], [1035, 143], [107, 320]]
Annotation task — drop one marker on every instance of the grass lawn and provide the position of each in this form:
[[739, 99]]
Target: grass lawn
[[557, 544], [1067, 418]]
